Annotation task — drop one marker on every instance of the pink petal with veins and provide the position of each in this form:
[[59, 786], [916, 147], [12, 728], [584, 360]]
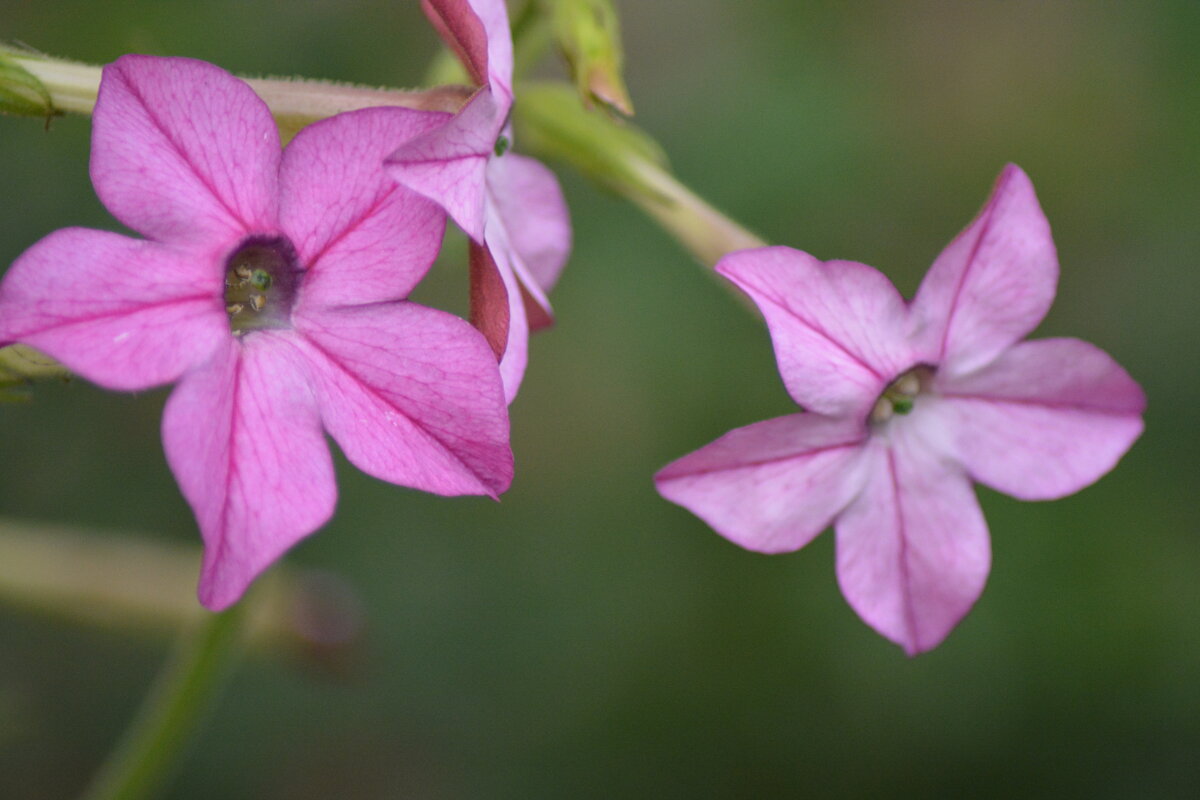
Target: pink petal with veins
[[912, 550], [362, 237], [244, 440], [839, 328], [124, 313], [1044, 420], [412, 396], [449, 164], [772, 486], [991, 285], [183, 151]]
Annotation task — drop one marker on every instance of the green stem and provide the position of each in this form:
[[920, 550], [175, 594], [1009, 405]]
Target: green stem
[[72, 87], [704, 231], [171, 712], [552, 123]]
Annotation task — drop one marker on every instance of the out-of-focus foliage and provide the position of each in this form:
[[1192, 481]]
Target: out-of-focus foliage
[[584, 638]]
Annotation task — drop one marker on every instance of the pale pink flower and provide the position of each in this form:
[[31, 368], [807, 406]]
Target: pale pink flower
[[907, 403], [511, 206], [271, 286]]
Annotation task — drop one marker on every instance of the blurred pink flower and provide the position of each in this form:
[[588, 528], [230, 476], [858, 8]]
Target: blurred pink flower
[[907, 403], [511, 206], [271, 285]]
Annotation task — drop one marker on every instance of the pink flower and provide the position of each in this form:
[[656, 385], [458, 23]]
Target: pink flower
[[271, 286], [510, 205], [907, 403]]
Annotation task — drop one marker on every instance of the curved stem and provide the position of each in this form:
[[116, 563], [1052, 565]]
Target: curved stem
[[704, 231], [169, 715], [552, 123]]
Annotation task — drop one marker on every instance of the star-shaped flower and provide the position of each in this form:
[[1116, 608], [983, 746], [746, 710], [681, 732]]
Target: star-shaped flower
[[511, 206], [271, 285], [907, 403]]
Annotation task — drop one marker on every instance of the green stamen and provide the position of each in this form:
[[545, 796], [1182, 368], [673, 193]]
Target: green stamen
[[900, 397], [260, 279], [260, 282]]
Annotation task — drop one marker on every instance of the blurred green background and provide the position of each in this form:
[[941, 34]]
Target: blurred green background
[[584, 638]]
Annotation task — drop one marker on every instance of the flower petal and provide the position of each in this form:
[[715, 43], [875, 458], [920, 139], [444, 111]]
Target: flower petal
[[1046, 419], [477, 31], [489, 299], [912, 551], [993, 284], [529, 204], [462, 31], [183, 151], [772, 486], [449, 164], [361, 237], [123, 313], [244, 440], [838, 327], [412, 396], [516, 346]]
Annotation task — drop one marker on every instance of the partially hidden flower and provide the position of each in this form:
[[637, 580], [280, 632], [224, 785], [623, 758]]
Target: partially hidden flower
[[906, 405], [510, 206], [271, 285]]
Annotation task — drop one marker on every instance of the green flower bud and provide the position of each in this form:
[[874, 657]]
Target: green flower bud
[[20, 92], [589, 36]]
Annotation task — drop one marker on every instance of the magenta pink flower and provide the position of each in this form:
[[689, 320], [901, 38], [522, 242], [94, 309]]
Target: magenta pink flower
[[271, 286], [907, 403], [510, 205]]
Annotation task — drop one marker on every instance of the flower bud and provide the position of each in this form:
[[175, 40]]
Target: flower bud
[[20, 92], [589, 35]]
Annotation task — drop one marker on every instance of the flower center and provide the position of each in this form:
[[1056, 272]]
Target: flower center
[[261, 277], [901, 394]]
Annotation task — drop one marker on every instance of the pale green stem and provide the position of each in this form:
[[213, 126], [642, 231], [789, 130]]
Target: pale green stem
[[73, 86], [703, 230], [169, 715], [143, 585], [552, 123]]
